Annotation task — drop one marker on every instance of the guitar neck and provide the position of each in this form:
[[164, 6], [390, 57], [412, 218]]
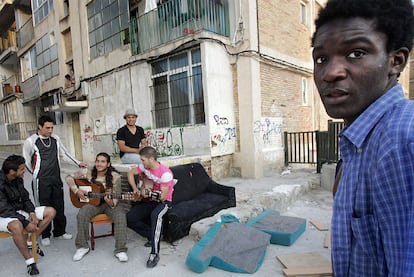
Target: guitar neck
[[109, 195]]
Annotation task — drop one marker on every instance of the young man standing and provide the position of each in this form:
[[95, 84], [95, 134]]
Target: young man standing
[[153, 203], [131, 139], [360, 49], [17, 212], [41, 152]]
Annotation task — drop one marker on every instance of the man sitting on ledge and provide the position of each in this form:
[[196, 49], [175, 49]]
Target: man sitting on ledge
[[17, 212]]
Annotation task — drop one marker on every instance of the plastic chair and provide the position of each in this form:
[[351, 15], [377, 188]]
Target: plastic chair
[[100, 219], [4, 235]]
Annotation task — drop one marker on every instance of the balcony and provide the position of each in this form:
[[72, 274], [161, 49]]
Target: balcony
[[63, 103], [25, 34], [8, 45], [175, 19], [10, 89], [31, 89]]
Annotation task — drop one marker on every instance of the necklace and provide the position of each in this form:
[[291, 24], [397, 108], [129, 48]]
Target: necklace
[[44, 144]]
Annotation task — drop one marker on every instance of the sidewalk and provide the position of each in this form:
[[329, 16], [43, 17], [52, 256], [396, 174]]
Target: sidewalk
[[296, 193]]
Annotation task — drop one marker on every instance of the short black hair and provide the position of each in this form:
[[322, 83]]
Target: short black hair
[[12, 162], [394, 18], [43, 119], [148, 152]]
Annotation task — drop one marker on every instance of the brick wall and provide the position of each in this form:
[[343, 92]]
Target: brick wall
[[280, 28], [282, 97]]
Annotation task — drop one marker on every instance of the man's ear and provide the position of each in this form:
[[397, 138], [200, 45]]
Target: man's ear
[[398, 60]]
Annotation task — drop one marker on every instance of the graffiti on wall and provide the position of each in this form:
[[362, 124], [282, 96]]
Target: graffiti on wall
[[167, 142], [89, 136], [269, 130], [223, 137]]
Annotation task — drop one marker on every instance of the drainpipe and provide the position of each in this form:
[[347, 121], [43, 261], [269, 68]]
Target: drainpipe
[[257, 24]]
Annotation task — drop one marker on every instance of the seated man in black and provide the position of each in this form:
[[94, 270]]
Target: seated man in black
[[17, 212], [130, 139]]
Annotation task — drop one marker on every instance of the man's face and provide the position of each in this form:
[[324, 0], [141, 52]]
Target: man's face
[[131, 120], [147, 162], [46, 130], [351, 66], [19, 173], [101, 164]]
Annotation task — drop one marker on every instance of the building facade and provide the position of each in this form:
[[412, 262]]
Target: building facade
[[212, 80]]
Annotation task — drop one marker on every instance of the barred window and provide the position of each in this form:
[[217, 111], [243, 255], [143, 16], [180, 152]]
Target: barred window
[[108, 26], [177, 92]]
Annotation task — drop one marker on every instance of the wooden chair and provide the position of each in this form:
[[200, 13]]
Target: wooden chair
[[100, 219], [34, 242]]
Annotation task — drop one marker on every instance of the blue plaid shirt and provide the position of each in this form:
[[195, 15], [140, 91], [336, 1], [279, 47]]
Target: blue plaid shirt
[[373, 214]]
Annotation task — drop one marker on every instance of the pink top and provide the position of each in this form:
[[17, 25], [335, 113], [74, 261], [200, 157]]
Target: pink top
[[162, 177]]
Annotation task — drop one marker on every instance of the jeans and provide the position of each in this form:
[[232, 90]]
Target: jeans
[[131, 158]]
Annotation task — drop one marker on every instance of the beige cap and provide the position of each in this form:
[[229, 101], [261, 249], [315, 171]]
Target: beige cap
[[130, 112]]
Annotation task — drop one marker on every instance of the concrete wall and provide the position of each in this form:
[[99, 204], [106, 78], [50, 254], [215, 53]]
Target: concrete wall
[[218, 93], [328, 176]]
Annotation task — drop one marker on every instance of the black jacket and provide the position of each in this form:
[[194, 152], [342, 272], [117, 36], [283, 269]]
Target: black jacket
[[14, 197]]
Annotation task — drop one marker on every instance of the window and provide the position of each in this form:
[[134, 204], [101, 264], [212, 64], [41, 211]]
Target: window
[[304, 91], [65, 7], [47, 57], [108, 26], [51, 100], [41, 9], [28, 64], [304, 12], [177, 91]]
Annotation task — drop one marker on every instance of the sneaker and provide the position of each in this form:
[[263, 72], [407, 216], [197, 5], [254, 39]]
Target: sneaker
[[153, 260], [32, 269], [46, 242], [65, 236], [80, 253], [122, 256], [39, 250], [147, 244]]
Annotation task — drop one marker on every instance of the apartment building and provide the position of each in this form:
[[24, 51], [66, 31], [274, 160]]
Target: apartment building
[[211, 80]]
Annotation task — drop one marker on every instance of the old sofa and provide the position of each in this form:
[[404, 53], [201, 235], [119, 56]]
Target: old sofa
[[196, 196]]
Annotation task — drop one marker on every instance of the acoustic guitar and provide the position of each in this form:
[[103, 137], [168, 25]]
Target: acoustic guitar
[[95, 194], [146, 187]]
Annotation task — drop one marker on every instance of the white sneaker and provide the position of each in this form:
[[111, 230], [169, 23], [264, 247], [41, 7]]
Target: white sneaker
[[122, 256], [80, 253], [64, 236], [46, 242]]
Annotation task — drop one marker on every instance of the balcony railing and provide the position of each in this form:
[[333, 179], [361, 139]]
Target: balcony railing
[[25, 34], [10, 86], [175, 19], [8, 40], [31, 89]]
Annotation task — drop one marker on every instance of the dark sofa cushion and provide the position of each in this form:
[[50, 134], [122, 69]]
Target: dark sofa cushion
[[196, 196], [192, 209], [192, 181]]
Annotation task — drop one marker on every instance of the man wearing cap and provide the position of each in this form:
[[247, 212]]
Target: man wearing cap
[[131, 139]]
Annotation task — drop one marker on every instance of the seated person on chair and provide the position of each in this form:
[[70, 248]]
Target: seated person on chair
[[130, 139], [17, 212], [102, 173], [154, 204]]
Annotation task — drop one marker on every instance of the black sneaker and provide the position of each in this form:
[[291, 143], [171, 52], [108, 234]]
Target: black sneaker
[[32, 269], [153, 260], [39, 250], [147, 244]]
